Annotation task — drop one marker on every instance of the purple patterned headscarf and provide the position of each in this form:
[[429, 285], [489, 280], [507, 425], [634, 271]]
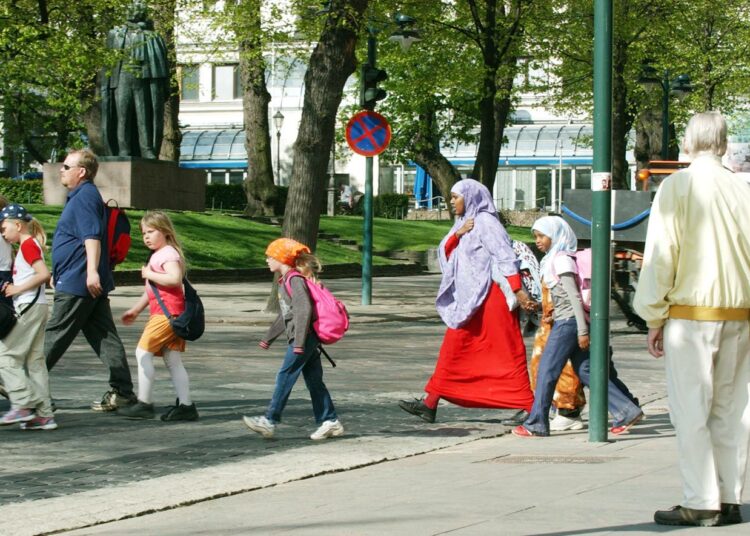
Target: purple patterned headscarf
[[467, 273]]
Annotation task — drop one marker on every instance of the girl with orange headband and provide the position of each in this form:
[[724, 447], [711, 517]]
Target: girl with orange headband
[[287, 257]]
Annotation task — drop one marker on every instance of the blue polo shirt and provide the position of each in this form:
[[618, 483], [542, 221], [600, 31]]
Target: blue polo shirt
[[82, 218]]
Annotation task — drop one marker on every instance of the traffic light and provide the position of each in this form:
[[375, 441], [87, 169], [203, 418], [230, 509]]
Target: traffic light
[[369, 92]]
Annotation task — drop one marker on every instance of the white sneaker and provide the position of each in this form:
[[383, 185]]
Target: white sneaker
[[260, 425], [562, 423], [328, 429]]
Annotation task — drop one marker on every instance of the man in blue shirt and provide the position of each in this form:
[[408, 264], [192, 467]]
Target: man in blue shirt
[[82, 279]]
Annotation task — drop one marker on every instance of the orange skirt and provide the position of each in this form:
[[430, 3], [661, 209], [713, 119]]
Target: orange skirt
[[158, 335]]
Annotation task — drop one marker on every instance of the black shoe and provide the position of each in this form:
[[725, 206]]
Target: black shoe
[[139, 410], [517, 418], [418, 408], [180, 412], [679, 515], [730, 514]]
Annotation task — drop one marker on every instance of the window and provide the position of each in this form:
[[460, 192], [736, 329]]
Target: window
[[227, 82], [189, 82]]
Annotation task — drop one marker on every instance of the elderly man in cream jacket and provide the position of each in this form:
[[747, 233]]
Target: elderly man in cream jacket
[[694, 293]]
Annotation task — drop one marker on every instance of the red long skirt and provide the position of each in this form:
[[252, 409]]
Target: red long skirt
[[483, 363]]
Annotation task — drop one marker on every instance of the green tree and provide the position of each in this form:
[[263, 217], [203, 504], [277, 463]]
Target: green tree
[[457, 85], [50, 52]]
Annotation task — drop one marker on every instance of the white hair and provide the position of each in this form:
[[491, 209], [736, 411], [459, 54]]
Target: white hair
[[706, 132]]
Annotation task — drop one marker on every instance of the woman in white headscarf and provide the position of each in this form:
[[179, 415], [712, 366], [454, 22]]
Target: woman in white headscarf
[[569, 338]]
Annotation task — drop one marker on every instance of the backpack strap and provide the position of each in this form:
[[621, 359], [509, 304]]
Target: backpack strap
[[158, 299], [287, 281]]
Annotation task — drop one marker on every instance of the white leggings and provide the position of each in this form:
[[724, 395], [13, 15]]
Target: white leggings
[[146, 375]]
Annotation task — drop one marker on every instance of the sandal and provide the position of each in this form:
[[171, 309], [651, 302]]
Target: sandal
[[624, 428], [522, 431]]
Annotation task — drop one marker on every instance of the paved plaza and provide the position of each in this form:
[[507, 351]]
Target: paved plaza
[[464, 474]]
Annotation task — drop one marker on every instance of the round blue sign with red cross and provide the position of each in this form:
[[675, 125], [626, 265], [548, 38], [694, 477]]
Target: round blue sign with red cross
[[368, 133]]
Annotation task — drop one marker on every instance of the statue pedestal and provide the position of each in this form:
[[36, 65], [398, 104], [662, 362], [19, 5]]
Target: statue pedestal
[[137, 183]]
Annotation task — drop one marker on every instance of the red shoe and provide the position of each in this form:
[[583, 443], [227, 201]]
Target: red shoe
[[624, 428], [522, 431]]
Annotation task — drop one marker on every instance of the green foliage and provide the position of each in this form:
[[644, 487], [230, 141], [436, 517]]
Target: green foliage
[[279, 207], [225, 197], [50, 53], [23, 192], [392, 206]]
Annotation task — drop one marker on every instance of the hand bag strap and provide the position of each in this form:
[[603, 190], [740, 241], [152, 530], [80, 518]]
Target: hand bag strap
[[38, 292], [158, 299]]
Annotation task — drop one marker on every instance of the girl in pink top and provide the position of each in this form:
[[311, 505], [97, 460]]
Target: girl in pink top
[[165, 269]]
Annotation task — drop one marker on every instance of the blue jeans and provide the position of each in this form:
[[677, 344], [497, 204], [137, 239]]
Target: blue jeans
[[562, 345], [311, 368]]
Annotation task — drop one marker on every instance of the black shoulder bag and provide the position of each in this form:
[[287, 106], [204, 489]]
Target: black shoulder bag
[[9, 317], [192, 322]]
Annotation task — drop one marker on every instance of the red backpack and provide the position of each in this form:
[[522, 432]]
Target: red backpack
[[332, 319], [118, 233]]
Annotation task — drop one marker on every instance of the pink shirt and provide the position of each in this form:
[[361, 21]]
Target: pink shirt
[[173, 297]]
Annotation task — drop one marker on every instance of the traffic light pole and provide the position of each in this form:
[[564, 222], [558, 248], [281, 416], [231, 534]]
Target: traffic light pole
[[367, 209], [601, 195]]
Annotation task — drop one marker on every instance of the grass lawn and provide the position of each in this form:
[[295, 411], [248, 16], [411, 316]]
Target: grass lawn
[[213, 240], [390, 235]]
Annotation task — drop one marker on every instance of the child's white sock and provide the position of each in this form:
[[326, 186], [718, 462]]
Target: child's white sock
[[146, 374], [180, 380]]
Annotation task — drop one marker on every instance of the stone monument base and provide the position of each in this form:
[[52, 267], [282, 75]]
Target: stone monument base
[[137, 183]]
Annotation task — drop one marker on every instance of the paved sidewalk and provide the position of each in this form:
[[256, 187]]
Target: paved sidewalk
[[98, 468]]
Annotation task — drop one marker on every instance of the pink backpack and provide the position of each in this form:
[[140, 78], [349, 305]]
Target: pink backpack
[[332, 319], [582, 258]]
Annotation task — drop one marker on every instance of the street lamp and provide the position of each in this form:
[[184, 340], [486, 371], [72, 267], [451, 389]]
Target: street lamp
[[679, 86], [278, 121]]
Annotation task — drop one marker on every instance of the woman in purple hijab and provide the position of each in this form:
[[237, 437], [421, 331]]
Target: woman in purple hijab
[[482, 361]]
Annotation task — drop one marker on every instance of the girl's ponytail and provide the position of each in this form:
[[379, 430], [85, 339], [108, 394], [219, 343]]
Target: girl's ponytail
[[308, 265], [37, 231]]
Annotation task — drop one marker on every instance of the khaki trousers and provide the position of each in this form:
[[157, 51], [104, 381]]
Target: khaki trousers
[[22, 364], [708, 383]]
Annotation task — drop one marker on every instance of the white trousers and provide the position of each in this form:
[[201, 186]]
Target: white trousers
[[708, 383]]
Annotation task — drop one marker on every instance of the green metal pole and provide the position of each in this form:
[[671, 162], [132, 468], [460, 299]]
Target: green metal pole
[[665, 116], [367, 236], [367, 212], [601, 195]]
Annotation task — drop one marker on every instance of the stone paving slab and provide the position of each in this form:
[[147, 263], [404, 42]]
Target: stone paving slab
[[98, 467]]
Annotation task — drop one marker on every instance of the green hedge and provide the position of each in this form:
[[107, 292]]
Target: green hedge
[[393, 206], [23, 192], [232, 197]]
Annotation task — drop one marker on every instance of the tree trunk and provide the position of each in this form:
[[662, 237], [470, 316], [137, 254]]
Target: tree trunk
[[426, 154], [503, 107], [259, 186], [92, 119], [484, 166], [164, 21], [622, 118], [331, 63]]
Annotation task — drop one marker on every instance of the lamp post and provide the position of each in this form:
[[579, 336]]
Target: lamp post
[[679, 86], [369, 95], [278, 122]]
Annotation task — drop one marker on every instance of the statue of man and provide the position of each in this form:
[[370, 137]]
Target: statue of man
[[134, 93]]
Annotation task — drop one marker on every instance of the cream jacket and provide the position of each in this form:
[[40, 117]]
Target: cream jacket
[[697, 257]]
